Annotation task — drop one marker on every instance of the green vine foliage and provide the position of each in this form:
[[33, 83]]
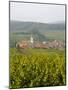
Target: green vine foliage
[[36, 68]]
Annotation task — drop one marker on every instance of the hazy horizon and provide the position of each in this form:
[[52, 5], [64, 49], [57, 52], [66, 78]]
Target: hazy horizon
[[57, 22]]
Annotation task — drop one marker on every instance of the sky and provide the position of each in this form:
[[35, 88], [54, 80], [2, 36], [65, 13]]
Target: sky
[[44, 13]]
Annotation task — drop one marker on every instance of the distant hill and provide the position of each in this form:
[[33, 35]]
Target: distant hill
[[27, 26], [40, 31]]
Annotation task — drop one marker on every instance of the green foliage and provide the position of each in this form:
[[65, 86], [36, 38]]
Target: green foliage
[[39, 67]]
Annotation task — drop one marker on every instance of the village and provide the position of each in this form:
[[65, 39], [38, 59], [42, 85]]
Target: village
[[57, 44]]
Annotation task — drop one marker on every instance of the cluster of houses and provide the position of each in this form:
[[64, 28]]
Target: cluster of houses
[[37, 44]]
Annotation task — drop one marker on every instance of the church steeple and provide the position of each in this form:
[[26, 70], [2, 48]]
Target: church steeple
[[31, 39]]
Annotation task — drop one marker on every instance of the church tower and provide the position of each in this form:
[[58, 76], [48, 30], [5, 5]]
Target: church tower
[[31, 39]]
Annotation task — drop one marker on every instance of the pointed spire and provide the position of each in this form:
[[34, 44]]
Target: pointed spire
[[31, 39]]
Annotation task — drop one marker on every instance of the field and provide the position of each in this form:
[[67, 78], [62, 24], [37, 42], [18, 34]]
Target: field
[[53, 35], [37, 67]]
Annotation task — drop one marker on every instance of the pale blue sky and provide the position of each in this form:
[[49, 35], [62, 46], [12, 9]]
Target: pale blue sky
[[45, 13]]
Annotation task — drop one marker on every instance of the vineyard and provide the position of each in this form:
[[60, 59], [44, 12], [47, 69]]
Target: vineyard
[[36, 68]]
